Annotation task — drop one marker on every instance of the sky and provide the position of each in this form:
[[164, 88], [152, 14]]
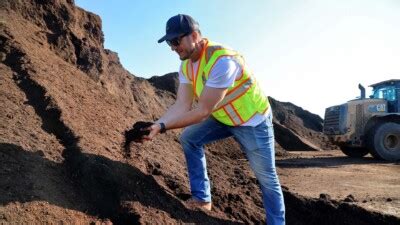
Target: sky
[[310, 53]]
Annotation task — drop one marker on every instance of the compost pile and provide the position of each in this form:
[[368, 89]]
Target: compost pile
[[66, 103]]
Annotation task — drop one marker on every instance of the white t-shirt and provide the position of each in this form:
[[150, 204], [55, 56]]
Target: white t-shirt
[[223, 75]]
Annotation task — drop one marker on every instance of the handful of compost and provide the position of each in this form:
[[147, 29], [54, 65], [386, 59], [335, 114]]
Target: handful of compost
[[136, 133]]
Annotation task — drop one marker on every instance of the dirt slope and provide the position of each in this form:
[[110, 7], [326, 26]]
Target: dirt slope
[[66, 102]]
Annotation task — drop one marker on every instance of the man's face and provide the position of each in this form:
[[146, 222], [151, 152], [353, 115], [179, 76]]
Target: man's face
[[185, 46]]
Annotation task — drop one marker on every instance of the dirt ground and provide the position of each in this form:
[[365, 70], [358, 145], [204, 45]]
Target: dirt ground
[[366, 182]]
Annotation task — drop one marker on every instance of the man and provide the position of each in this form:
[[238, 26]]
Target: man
[[229, 103]]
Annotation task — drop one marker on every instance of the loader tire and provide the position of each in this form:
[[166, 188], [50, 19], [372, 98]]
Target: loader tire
[[384, 141]]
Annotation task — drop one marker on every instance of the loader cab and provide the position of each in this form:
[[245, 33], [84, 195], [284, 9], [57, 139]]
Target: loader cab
[[390, 91]]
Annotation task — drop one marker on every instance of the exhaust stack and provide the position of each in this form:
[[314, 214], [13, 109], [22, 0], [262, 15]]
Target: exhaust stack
[[362, 89]]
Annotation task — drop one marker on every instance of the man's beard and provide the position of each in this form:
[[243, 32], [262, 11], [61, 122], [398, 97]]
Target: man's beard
[[187, 56]]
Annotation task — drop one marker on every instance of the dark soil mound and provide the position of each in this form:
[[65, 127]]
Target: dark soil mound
[[298, 129], [66, 104], [168, 82]]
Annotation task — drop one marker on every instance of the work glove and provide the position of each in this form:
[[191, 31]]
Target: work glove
[[136, 133]]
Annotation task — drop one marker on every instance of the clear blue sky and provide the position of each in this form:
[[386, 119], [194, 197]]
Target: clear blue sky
[[311, 53]]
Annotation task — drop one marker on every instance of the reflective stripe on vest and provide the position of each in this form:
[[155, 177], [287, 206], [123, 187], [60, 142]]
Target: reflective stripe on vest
[[233, 115], [235, 93]]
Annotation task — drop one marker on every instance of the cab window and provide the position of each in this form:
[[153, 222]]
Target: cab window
[[388, 93]]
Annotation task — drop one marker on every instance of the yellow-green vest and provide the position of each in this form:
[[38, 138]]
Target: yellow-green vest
[[242, 101]]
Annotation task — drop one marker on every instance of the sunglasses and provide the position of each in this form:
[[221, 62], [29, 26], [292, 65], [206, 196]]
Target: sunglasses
[[176, 41]]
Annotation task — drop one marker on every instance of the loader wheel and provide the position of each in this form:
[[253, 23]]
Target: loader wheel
[[384, 141], [354, 152]]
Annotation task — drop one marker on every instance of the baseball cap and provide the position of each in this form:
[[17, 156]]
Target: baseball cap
[[179, 25]]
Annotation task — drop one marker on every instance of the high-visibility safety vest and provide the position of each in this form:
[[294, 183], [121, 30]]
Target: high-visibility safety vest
[[242, 101]]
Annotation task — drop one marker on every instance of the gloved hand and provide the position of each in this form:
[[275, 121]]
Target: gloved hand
[[136, 133]]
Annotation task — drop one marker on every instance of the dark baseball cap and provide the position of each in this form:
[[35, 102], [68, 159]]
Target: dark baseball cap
[[179, 25]]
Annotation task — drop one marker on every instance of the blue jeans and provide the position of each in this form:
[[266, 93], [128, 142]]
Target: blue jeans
[[259, 146]]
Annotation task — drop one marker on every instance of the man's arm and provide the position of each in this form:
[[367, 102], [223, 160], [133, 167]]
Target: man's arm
[[183, 103], [209, 98]]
